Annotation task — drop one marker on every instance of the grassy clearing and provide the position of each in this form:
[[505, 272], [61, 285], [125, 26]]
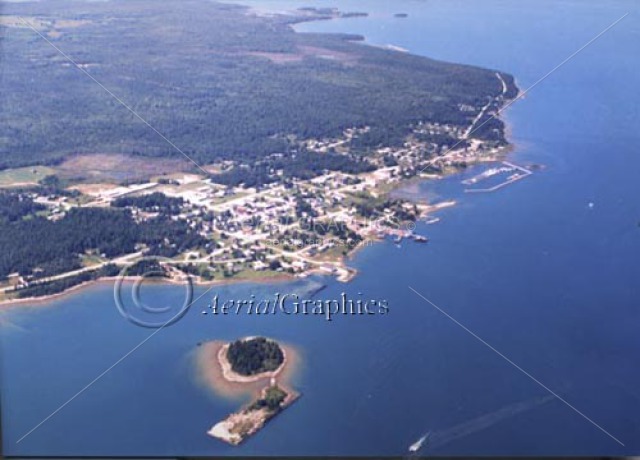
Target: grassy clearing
[[250, 274], [24, 176], [91, 260]]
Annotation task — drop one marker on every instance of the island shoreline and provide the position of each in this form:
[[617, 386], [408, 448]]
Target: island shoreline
[[210, 368], [214, 371]]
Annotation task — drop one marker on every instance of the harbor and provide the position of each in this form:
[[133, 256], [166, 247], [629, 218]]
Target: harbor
[[510, 171]]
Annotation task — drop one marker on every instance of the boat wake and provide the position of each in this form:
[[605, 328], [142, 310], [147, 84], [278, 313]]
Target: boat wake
[[416, 446], [439, 438]]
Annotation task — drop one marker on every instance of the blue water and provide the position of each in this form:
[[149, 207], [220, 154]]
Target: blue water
[[547, 280]]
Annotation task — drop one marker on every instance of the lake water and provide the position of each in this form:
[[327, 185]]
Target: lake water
[[545, 271]]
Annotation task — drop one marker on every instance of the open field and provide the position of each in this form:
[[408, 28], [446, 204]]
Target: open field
[[20, 177], [118, 167], [96, 169]]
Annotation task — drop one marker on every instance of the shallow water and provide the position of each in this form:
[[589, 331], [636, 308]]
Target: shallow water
[[543, 277]]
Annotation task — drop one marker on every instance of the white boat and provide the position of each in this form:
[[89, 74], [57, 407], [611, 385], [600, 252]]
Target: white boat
[[416, 446]]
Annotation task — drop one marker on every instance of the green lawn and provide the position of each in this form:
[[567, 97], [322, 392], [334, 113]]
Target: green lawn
[[24, 176]]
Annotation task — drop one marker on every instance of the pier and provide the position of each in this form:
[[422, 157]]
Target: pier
[[519, 173]]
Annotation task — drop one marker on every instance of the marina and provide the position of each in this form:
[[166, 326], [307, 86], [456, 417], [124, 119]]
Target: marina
[[510, 171]]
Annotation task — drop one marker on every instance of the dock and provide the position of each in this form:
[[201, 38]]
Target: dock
[[519, 173]]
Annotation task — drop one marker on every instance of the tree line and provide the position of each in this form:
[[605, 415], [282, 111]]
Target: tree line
[[41, 247]]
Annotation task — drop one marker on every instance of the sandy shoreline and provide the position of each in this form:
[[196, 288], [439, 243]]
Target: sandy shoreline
[[348, 275], [38, 301], [351, 273], [214, 372]]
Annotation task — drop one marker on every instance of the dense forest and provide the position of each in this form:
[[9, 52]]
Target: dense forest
[[56, 286], [301, 165], [41, 247], [241, 89], [254, 356], [17, 206], [153, 202]]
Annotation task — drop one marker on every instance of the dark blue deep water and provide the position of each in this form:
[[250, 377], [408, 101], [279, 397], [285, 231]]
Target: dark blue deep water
[[543, 277]]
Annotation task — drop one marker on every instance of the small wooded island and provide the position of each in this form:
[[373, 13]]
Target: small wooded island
[[254, 356], [248, 361]]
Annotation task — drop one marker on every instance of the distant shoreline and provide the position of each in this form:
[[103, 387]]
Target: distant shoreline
[[350, 273]]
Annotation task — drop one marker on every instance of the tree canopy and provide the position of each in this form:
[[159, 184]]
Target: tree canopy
[[254, 356]]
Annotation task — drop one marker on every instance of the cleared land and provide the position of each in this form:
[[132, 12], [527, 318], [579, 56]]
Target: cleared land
[[118, 167], [21, 177]]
